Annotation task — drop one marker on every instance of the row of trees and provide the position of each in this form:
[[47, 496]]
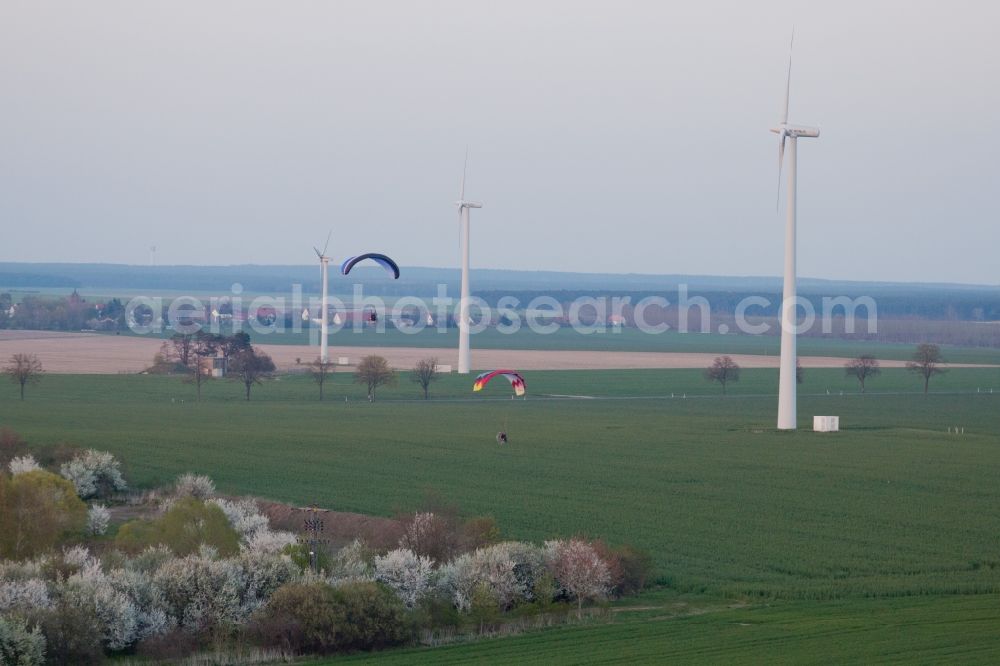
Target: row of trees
[[374, 371], [926, 362], [188, 353]]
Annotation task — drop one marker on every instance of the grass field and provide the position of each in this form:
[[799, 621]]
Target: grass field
[[910, 631], [891, 508]]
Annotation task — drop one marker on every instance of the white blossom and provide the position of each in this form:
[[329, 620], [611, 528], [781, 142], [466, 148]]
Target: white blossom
[[25, 594], [268, 542], [198, 486], [98, 518], [578, 569], [91, 470], [117, 616], [243, 515], [508, 570], [200, 590], [406, 573], [22, 464], [458, 579], [352, 562]]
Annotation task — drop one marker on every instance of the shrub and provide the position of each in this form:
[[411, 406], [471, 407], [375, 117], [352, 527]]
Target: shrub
[[480, 531], [38, 510], [94, 474], [170, 647], [198, 486], [353, 561], [300, 617], [370, 617], [405, 573], [115, 616], [11, 445], [508, 570], [22, 464], [458, 579], [98, 519], [203, 593], [184, 528], [151, 616], [636, 566], [72, 635], [315, 617], [19, 644], [430, 535], [483, 609]]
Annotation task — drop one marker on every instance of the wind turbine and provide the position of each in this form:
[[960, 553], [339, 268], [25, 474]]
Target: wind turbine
[[464, 353], [324, 263], [786, 375]]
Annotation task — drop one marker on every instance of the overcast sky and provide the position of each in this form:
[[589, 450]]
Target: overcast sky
[[609, 137]]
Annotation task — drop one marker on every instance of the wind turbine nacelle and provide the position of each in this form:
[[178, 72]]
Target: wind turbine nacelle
[[802, 130], [796, 131]]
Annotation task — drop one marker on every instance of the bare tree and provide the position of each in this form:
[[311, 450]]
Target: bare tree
[[374, 371], [424, 373], [250, 367], [24, 369], [320, 370], [184, 346], [926, 363], [205, 346], [861, 368], [723, 370]]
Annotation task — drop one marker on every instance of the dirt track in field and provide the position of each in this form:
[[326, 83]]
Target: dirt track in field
[[89, 353]]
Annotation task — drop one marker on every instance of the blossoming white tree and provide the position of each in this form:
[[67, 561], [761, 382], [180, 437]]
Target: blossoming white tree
[[93, 472], [406, 573], [98, 519], [578, 570]]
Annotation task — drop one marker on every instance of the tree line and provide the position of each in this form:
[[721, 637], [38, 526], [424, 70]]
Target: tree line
[[926, 362]]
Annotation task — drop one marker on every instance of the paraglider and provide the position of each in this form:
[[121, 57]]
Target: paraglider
[[516, 383], [382, 260], [515, 379]]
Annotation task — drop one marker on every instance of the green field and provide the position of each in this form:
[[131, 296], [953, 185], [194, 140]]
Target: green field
[[910, 631], [891, 508]]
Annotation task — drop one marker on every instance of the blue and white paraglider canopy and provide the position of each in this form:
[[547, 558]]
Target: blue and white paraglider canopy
[[382, 260]]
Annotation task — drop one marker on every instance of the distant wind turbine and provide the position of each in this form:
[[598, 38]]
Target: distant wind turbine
[[786, 377], [464, 352], [324, 263]]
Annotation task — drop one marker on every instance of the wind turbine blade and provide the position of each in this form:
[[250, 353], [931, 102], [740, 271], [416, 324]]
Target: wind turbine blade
[[318, 253], [788, 81], [327, 244], [465, 167]]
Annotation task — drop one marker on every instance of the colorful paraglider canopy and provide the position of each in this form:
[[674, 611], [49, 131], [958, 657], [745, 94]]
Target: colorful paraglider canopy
[[380, 259], [515, 379]]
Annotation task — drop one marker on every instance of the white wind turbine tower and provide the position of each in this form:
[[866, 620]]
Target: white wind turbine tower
[[324, 263], [787, 373], [464, 353]]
